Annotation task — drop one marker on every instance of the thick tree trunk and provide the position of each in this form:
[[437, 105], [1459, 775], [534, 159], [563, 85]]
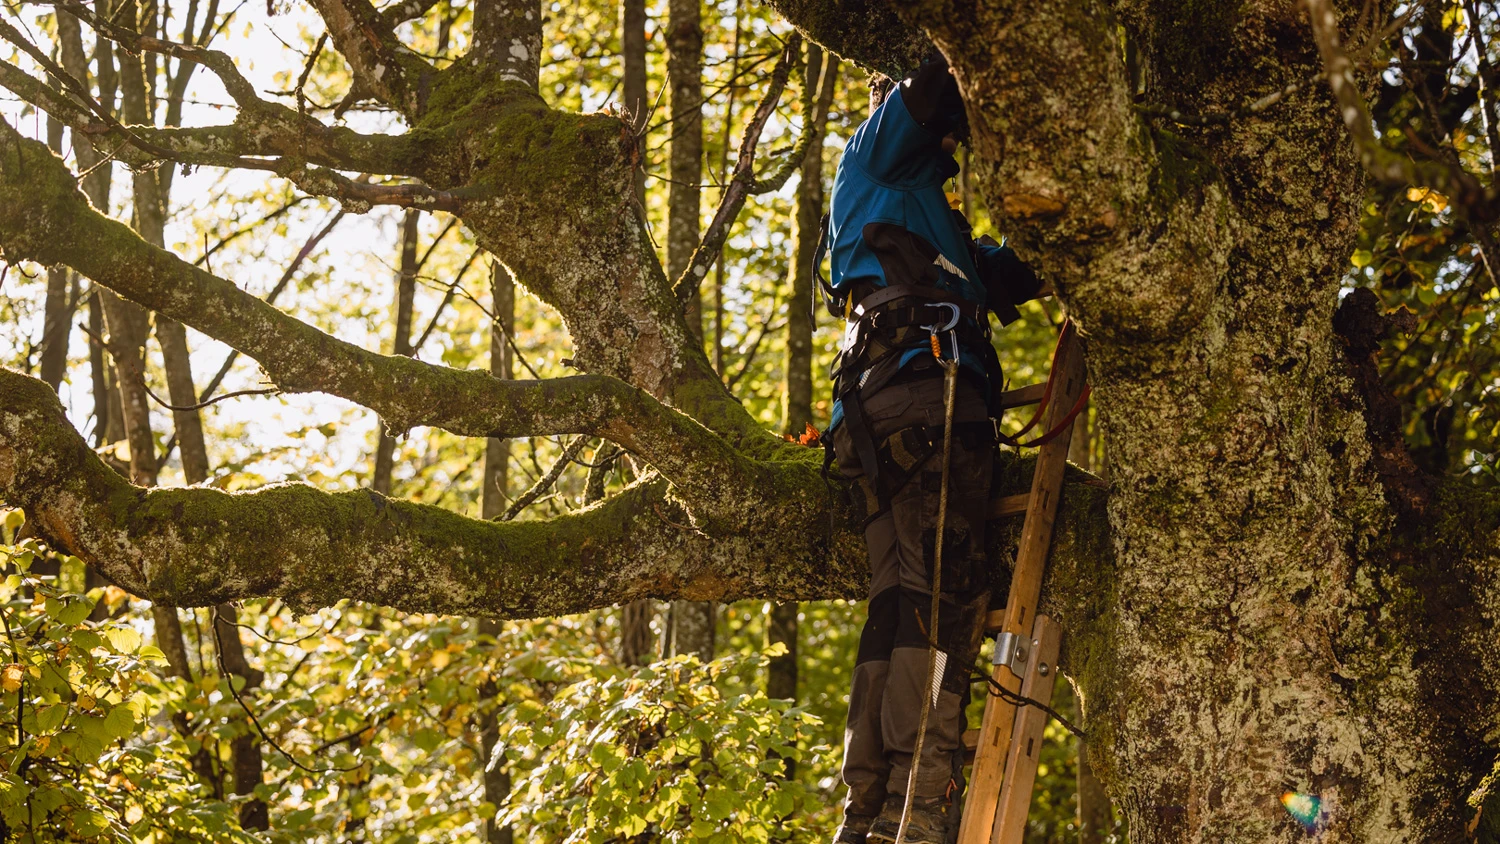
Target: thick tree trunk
[[1237, 651], [406, 294]]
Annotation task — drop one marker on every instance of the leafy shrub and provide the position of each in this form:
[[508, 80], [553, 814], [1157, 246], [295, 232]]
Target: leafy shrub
[[84, 751], [661, 754]]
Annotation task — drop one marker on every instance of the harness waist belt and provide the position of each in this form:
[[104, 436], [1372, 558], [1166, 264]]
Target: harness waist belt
[[886, 295]]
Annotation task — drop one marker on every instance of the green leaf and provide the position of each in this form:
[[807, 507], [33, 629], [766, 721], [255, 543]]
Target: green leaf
[[90, 823], [1361, 258], [49, 718], [120, 722], [75, 612], [152, 653]]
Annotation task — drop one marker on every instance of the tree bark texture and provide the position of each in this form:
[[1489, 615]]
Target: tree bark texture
[[1265, 599]]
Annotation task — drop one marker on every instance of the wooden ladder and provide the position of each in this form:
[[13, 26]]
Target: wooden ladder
[[1007, 744]]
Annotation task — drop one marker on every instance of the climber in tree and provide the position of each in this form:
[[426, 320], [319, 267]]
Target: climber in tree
[[912, 284]]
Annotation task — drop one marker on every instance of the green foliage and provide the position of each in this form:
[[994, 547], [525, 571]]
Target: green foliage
[[85, 750], [1418, 251], [661, 754]]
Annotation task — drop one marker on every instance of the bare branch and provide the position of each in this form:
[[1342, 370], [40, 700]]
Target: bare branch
[[741, 182], [271, 130], [222, 66]]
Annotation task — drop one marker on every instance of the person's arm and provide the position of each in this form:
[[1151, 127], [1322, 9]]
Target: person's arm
[[1008, 281], [903, 138]]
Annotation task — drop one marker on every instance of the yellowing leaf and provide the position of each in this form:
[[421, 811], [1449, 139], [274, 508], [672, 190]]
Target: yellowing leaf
[[123, 639], [10, 676], [134, 814]]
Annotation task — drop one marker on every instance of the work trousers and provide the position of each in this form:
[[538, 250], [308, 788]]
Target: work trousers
[[890, 673]]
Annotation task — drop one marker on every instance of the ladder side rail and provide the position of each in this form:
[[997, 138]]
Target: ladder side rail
[[1025, 589], [1026, 739]]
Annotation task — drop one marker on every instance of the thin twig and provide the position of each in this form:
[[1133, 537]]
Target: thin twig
[[266, 737], [216, 399], [546, 481]]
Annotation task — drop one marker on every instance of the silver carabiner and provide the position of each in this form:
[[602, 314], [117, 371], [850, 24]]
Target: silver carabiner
[[952, 318], [946, 328]]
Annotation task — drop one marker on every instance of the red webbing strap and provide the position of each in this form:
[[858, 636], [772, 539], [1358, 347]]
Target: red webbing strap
[[1078, 407], [1041, 406]]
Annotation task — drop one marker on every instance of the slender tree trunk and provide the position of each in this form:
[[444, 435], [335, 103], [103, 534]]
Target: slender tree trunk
[[502, 364], [692, 622], [493, 503], [56, 326], [128, 329], [685, 76], [797, 414], [406, 293], [691, 629], [56, 320], [245, 751], [96, 185], [633, 85], [635, 617], [100, 387], [725, 133]]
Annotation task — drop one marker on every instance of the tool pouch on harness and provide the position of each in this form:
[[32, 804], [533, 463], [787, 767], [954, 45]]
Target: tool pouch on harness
[[899, 456]]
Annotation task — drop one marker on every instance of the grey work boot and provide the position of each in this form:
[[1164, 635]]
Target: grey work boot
[[853, 829], [928, 825]]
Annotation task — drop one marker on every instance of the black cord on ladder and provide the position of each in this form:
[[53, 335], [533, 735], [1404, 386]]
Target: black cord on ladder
[[1018, 700]]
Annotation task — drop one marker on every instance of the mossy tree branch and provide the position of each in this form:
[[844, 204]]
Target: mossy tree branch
[[199, 547], [868, 34], [46, 218]]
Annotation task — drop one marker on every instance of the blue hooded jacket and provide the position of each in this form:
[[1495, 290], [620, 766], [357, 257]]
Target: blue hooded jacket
[[890, 222]]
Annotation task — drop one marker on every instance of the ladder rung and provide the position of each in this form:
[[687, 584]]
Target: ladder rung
[[970, 740], [994, 620], [1009, 505], [1023, 396]]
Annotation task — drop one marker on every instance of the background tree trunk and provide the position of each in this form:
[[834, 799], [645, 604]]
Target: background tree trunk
[[633, 80], [493, 502], [797, 409], [406, 293], [692, 623], [685, 81]]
